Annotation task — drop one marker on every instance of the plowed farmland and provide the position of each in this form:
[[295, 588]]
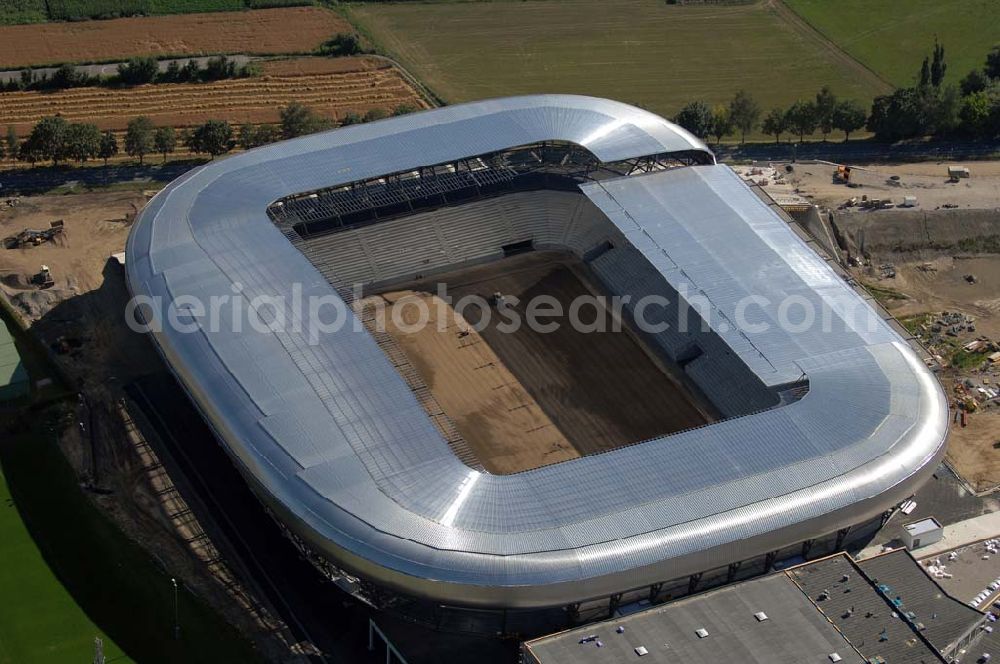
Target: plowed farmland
[[369, 85], [263, 31]]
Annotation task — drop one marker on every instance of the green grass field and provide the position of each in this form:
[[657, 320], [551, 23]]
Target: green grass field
[[68, 574], [39, 621], [22, 11], [893, 36], [640, 51]]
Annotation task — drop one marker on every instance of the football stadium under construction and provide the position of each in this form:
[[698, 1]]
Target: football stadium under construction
[[521, 471]]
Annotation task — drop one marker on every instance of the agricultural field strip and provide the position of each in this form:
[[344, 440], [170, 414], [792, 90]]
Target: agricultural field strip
[[265, 31], [113, 108]]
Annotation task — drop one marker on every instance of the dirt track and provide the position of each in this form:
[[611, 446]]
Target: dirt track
[[530, 398]]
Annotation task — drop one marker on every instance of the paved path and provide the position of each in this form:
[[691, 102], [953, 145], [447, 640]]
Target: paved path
[[956, 535]]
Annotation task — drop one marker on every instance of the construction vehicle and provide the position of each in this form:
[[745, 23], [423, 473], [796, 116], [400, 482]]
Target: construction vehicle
[[842, 174], [43, 279], [30, 237]]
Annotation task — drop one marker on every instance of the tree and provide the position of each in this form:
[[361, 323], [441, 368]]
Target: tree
[[744, 111], [191, 71], [992, 68], [925, 74], [344, 43], [11, 142], [139, 137], [30, 150], [172, 74], [975, 81], [404, 109], [775, 124], [138, 70], [83, 141], [848, 117], [938, 65], [802, 118], [374, 114], [219, 68], [108, 147], [903, 114], [722, 123], [67, 76], [214, 137], [254, 136], [299, 120], [941, 110], [696, 117], [165, 141], [826, 105], [48, 139]]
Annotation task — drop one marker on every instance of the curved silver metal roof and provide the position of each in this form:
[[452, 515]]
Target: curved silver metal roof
[[331, 437]]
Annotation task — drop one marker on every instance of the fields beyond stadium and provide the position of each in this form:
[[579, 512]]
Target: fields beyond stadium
[[264, 31], [893, 37], [644, 52], [525, 399]]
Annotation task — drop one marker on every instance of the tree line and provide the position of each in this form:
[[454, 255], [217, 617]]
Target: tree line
[[929, 108], [136, 71], [55, 139]]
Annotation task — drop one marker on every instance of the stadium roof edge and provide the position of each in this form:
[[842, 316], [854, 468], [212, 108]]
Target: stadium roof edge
[[382, 495]]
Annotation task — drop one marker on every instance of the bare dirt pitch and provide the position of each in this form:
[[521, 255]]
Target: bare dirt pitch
[[529, 398]]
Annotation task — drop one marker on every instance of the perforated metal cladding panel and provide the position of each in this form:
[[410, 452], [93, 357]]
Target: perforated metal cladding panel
[[336, 442]]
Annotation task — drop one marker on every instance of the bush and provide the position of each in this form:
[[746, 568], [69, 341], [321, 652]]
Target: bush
[[138, 70], [344, 43]]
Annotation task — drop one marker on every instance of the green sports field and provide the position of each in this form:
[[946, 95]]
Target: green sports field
[[641, 51], [67, 574], [893, 36], [39, 621]]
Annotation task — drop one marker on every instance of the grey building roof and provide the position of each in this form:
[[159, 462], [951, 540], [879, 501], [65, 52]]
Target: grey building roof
[[794, 631], [329, 435], [850, 601], [815, 609], [945, 619]]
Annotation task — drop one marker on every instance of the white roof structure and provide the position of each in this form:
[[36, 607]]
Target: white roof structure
[[332, 439]]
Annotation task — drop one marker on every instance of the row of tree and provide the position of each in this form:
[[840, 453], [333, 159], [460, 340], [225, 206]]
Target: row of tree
[[929, 108], [743, 115], [136, 71], [57, 140]]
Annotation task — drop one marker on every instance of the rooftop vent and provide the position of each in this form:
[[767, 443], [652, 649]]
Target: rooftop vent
[[760, 616], [641, 650], [701, 632], [834, 657]]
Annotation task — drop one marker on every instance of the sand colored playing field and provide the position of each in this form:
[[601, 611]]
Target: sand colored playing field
[[528, 398], [496, 416]]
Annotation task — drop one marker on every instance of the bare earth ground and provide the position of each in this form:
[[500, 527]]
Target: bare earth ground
[[930, 278], [545, 397], [86, 306], [928, 181], [496, 416], [262, 31]]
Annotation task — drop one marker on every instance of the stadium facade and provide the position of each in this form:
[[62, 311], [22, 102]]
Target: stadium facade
[[822, 427]]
